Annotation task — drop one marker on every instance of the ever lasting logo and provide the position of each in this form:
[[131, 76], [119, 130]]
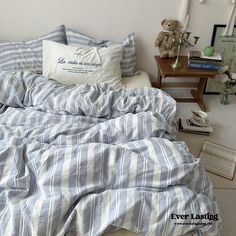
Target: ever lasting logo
[[194, 219]]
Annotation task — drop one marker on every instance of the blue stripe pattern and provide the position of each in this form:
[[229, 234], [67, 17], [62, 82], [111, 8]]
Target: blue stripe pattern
[[83, 160], [27, 55], [128, 63]]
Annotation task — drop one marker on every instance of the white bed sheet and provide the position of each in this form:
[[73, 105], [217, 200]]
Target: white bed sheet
[[138, 81]]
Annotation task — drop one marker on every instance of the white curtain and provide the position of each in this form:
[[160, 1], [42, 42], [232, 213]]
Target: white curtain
[[231, 21], [184, 11], [230, 24]]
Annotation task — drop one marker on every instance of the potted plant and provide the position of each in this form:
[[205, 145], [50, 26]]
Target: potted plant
[[229, 81]]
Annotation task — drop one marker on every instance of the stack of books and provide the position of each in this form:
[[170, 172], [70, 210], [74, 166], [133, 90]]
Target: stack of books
[[198, 60], [187, 125]]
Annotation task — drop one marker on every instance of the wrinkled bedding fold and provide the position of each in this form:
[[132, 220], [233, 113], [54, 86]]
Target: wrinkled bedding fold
[[83, 160]]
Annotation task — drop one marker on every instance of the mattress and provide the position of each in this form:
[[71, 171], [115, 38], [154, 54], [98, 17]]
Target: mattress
[[138, 81]]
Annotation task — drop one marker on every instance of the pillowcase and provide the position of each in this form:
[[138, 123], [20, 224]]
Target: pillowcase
[[75, 38], [27, 55], [128, 63], [82, 64]]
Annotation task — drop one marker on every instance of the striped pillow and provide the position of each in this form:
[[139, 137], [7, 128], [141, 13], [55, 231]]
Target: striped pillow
[[128, 63], [75, 38], [27, 55]]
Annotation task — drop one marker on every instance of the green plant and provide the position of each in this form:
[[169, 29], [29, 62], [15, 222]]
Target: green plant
[[229, 79]]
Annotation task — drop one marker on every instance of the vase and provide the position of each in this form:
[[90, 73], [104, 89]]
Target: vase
[[225, 97]]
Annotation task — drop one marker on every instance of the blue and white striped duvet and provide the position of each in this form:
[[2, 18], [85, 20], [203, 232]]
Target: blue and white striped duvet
[[82, 160]]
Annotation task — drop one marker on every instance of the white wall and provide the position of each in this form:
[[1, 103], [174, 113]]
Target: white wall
[[113, 19]]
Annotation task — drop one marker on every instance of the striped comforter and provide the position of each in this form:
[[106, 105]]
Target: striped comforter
[[83, 160]]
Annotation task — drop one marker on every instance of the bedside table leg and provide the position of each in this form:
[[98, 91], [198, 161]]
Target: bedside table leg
[[159, 78], [198, 94]]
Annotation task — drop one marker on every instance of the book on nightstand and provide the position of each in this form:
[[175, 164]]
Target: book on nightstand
[[200, 65], [198, 60], [199, 56], [185, 125]]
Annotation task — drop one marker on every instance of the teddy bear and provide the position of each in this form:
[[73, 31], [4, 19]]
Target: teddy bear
[[166, 38]]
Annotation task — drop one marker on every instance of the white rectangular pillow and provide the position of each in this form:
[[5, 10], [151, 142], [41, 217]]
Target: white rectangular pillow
[[82, 64]]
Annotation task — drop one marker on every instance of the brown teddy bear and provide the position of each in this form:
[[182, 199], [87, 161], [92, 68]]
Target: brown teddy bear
[[165, 38]]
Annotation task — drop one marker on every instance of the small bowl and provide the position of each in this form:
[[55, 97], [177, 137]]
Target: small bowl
[[200, 116]]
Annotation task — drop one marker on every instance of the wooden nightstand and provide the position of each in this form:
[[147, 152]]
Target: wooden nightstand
[[165, 70]]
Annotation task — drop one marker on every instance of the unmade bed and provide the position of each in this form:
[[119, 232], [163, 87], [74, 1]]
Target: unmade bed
[[84, 151], [83, 160]]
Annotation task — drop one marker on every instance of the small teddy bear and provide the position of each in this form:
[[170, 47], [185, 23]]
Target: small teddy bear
[[166, 38]]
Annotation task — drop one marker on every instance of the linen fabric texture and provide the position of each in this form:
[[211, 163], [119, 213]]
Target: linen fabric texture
[[128, 63], [82, 64], [27, 55], [82, 160]]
